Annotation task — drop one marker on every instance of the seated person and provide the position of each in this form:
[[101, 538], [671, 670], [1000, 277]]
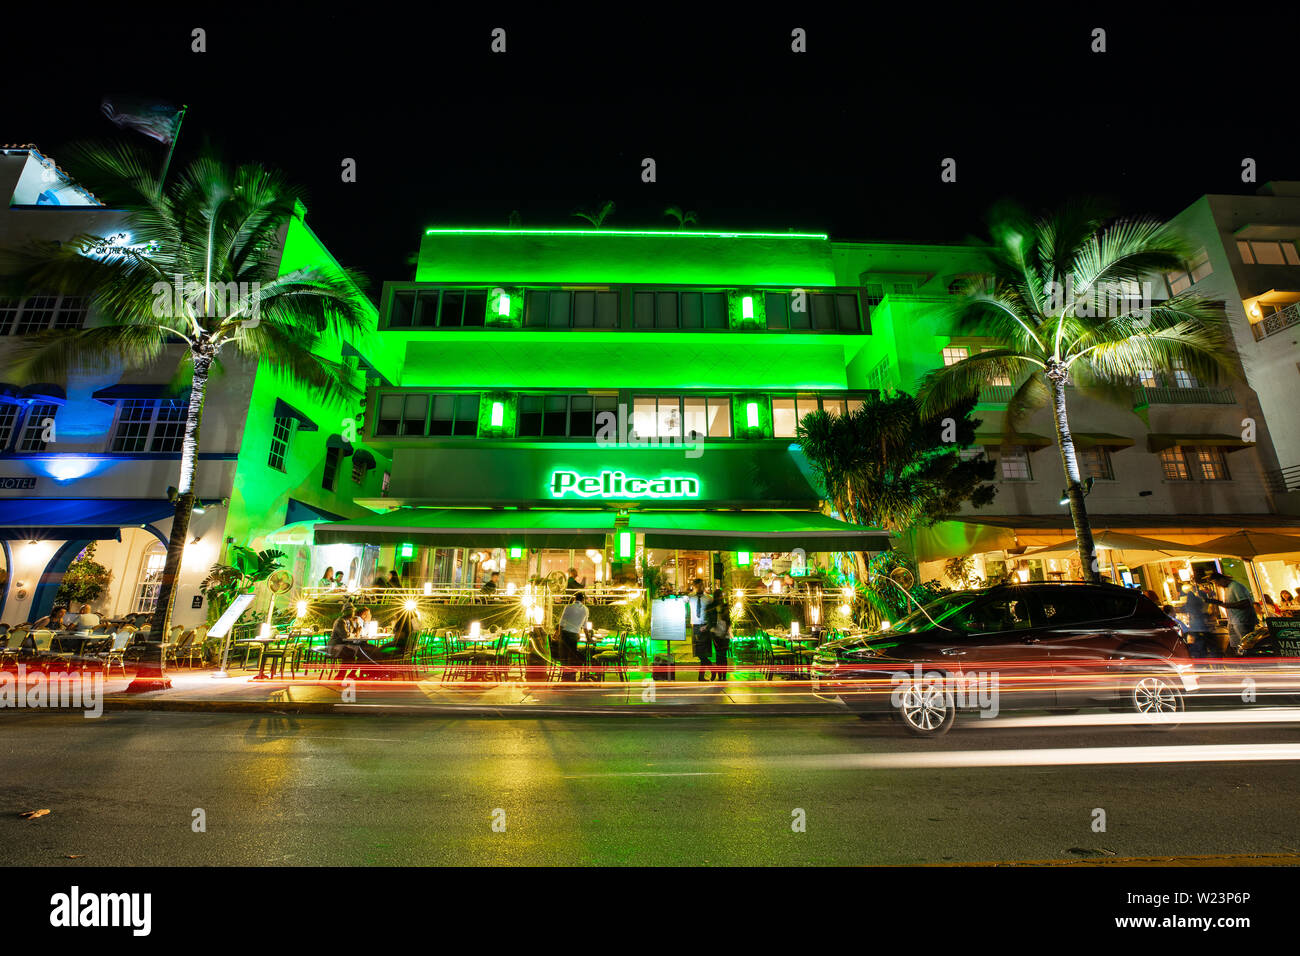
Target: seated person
[[381, 579], [83, 620], [574, 584], [492, 583], [338, 581], [394, 580]]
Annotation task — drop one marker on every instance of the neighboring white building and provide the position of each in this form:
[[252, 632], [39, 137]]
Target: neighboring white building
[[268, 455], [1249, 254]]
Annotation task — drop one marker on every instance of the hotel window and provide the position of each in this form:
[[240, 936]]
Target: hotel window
[[1094, 462], [669, 416], [8, 419], [788, 411], [996, 379], [360, 468], [561, 416], [875, 293], [462, 308], [281, 432], [402, 415], [38, 416], [433, 308], [330, 477], [1182, 377], [1147, 378], [1268, 253], [954, 354], [1209, 462], [579, 310], [150, 425], [1174, 464], [901, 288], [454, 415], [1198, 267], [149, 582], [704, 310], [1014, 463], [40, 313], [826, 311]]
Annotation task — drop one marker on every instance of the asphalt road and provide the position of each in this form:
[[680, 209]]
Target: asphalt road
[[122, 789]]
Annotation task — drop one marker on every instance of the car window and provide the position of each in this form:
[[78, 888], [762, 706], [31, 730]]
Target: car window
[[1065, 607], [1003, 613]]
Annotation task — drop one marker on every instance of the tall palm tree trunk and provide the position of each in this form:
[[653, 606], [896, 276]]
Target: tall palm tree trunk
[[1056, 375], [152, 674]]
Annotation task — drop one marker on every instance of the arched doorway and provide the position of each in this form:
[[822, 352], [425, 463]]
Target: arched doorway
[[52, 577]]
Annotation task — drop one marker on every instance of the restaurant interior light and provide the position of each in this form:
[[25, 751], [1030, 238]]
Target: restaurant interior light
[[428, 588], [498, 414], [747, 307], [516, 552], [625, 545], [503, 304], [751, 415], [302, 609], [407, 551], [742, 559], [475, 628]]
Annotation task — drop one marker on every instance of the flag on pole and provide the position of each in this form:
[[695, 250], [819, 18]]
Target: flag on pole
[[157, 120]]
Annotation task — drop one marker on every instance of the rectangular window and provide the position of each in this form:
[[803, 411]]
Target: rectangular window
[[359, 471], [8, 419], [1174, 464], [454, 415], [1095, 463], [954, 354], [1147, 378], [150, 425], [1254, 252], [37, 314], [1210, 463], [39, 417], [1267, 253], [788, 411], [996, 379], [281, 432], [402, 415], [901, 288], [595, 310], [875, 293], [673, 416], [706, 417], [1182, 377], [1014, 462], [330, 476]]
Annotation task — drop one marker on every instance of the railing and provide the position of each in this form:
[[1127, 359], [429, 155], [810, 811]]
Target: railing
[[1284, 479], [1272, 324], [456, 594], [1161, 395]]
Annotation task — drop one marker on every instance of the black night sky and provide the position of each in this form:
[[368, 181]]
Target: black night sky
[[847, 138]]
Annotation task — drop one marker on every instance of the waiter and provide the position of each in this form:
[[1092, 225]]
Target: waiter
[[572, 621], [701, 639]]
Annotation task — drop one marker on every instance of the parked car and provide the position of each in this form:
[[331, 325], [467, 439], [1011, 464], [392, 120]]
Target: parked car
[[1057, 646]]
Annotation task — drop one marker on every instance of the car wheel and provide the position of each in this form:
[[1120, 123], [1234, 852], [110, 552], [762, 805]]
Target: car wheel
[[1157, 697], [925, 710]]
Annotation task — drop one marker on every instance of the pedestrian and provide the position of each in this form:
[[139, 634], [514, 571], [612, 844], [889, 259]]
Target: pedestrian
[[718, 625], [701, 642], [572, 622], [1198, 622], [1239, 606]]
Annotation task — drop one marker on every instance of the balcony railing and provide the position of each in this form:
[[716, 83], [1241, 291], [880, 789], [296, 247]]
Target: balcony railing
[[1184, 396], [1272, 324], [1284, 479]]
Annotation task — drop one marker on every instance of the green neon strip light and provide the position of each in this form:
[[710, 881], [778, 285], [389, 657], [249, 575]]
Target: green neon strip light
[[625, 232], [742, 559], [625, 545]]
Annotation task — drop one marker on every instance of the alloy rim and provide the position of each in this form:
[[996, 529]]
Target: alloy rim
[[924, 709], [1155, 696]]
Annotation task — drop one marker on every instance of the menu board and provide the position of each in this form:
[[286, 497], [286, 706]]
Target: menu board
[[224, 622], [1285, 633], [668, 618]]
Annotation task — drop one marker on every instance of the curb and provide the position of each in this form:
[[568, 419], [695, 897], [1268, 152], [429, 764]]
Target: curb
[[511, 711]]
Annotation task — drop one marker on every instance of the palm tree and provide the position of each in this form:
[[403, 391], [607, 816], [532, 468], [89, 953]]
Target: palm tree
[[684, 219], [596, 215], [1058, 299], [209, 231], [888, 465]]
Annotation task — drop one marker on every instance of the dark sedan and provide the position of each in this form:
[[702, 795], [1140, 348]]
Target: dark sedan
[[1022, 646]]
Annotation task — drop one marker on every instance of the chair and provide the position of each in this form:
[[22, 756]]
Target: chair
[[174, 650], [616, 657], [458, 660], [42, 652], [114, 653], [779, 658], [278, 654], [196, 649], [10, 651]]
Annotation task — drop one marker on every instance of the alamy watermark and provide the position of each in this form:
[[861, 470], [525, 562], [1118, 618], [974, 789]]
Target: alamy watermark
[[619, 430], [970, 690], [216, 299], [72, 690]]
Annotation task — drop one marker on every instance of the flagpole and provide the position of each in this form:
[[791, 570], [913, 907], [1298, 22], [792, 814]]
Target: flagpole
[[180, 118]]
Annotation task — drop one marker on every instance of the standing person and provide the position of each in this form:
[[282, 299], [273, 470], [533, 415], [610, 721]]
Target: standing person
[[1198, 621], [574, 584], [572, 621], [718, 625], [326, 579], [1239, 605], [701, 642]]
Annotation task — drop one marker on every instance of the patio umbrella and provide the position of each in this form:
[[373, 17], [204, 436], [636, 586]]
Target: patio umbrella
[[1249, 545], [1134, 548]]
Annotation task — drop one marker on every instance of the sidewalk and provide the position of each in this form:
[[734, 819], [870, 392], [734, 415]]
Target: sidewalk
[[201, 692]]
